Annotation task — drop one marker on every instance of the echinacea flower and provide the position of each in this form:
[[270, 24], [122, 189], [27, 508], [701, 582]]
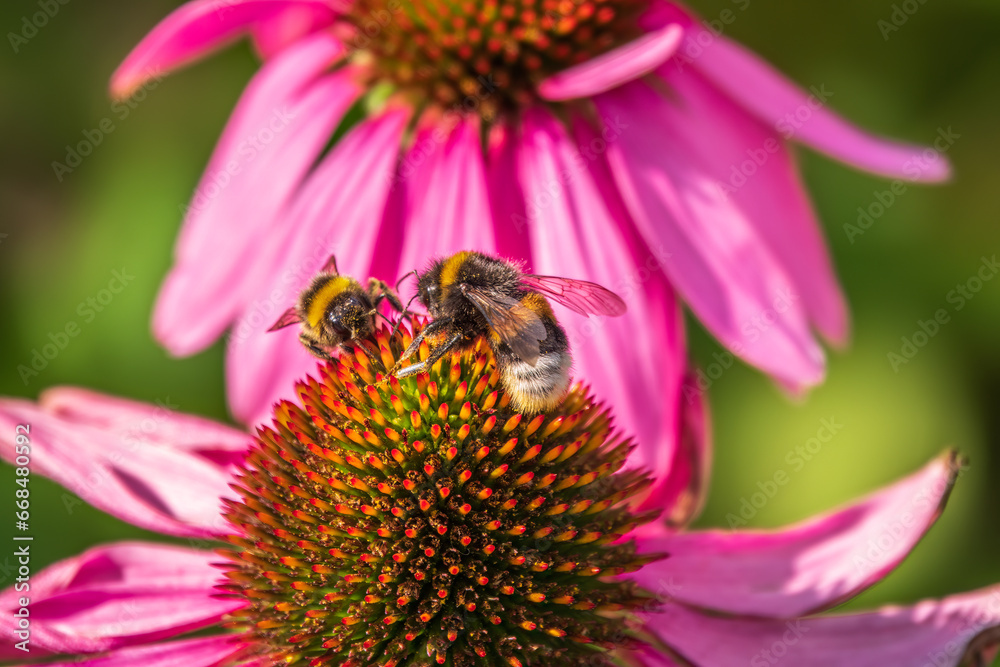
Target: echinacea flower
[[422, 522], [595, 139]]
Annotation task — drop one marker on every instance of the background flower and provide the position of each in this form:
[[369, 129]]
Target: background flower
[[626, 142], [119, 208]]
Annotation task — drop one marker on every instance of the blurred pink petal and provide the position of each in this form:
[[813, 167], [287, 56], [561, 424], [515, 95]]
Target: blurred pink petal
[[202, 652], [117, 595], [332, 216], [753, 168], [803, 116], [506, 195], [578, 232], [804, 568], [717, 260], [196, 29], [937, 633], [299, 20], [683, 490], [142, 423], [445, 182], [172, 490], [275, 135], [612, 69]]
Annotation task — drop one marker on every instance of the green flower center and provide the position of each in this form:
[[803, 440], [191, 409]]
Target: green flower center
[[485, 56], [422, 522]]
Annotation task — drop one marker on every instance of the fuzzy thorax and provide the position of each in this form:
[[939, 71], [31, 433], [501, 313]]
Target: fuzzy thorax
[[423, 522]]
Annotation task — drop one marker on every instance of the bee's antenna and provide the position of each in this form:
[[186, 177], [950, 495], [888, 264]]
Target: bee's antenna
[[406, 310], [405, 276]]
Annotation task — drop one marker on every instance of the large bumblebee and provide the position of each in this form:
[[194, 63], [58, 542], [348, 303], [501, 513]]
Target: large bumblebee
[[471, 294], [335, 310]]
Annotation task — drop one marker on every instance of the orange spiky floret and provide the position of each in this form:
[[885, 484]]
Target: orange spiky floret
[[418, 548]]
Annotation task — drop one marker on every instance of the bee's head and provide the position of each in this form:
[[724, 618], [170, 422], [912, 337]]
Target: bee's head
[[429, 289]]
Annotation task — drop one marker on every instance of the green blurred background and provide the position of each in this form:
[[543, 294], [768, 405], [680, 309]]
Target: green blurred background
[[121, 207]]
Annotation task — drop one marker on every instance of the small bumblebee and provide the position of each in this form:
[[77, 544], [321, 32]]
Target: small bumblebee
[[335, 310], [471, 294]]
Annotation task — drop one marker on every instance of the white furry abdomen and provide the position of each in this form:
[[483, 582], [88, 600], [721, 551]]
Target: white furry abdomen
[[540, 387]]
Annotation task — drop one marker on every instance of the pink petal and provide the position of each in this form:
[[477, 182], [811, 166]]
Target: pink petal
[[448, 206], [278, 130], [202, 652], [934, 633], [145, 424], [151, 484], [337, 211], [807, 567], [506, 197], [802, 115], [610, 70], [579, 230], [683, 491], [117, 595], [285, 29], [717, 259], [753, 168], [194, 30]]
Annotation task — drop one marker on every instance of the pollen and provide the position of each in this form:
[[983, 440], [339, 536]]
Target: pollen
[[482, 56], [416, 549]]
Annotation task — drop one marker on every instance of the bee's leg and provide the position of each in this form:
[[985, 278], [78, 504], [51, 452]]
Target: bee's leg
[[379, 291], [437, 353], [429, 330]]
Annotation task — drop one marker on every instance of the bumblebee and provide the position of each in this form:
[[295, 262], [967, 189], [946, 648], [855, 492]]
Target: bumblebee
[[335, 310], [471, 294]]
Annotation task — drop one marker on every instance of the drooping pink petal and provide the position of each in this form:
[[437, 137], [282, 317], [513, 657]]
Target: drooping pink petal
[[716, 258], [683, 490], [448, 206], [141, 423], [201, 652], [807, 567], [804, 116], [116, 595], [510, 220], [276, 133], [610, 70], [754, 169], [578, 230], [938, 633], [172, 490], [194, 30], [333, 214]]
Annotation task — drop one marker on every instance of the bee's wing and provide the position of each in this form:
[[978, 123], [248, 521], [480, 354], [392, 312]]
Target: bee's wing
[[288, 318], [578, 295], [516, 324]]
